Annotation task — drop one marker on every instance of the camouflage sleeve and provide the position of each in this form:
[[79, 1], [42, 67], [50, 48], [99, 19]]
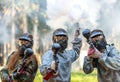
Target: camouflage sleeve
[[77, 43], [111, 59], [87, 65], [4, 71], [46, 62], [75, 51], [29, 72]]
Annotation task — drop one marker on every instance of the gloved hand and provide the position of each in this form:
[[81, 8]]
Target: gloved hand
[[96, 54], [55, 74], [52, 72], [53, 65]]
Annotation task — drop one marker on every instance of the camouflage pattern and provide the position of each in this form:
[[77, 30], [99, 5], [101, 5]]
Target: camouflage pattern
[[108, 66], [29, 72], [65, 61]]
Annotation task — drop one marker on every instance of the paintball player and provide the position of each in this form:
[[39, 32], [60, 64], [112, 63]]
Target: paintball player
[[21, 64], [65, 58], [104, 57]]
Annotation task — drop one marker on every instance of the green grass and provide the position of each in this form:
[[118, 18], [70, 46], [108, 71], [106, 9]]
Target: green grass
[[82, 77], [75, 77]]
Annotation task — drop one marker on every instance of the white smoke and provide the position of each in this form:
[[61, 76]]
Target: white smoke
[[73, 10], [4, 34], [101, 14], [78, 10], [4, 37]]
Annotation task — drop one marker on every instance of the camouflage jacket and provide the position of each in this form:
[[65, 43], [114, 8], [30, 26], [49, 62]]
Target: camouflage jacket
[[29, 71], [65, 61], [108, 66]]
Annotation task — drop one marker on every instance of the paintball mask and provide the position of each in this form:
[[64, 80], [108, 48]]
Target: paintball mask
[[63, 43], [62, 38], [100, 43], [25, 41]]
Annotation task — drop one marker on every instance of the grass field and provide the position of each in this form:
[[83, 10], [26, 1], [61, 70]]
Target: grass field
[[76, 77]]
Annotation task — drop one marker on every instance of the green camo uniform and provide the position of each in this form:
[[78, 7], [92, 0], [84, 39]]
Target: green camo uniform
[[29, 72]]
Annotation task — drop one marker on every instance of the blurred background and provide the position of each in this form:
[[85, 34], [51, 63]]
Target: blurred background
[[42, 17]]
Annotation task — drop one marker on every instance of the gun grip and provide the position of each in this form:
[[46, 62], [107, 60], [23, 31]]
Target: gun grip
[[49, 75], [91, 51]]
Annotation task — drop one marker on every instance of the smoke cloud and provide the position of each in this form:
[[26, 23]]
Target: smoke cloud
[[4, 34], [90, 14]]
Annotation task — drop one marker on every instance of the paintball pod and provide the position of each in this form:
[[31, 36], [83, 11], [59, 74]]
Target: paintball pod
[[21, 67], [51, 73], [86, 34]]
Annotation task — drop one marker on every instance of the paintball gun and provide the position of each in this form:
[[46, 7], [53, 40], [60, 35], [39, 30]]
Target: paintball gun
[[27, 53], [21, 67], [55, 49], [86, 34]]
